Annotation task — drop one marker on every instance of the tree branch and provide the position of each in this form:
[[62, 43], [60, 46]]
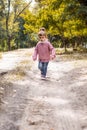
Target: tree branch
[[22, 11]]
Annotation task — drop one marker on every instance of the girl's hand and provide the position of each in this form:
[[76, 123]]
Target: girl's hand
[[34, 58], [51, 57]]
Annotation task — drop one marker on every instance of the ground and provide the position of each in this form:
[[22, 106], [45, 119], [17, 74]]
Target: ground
[[29, 103]]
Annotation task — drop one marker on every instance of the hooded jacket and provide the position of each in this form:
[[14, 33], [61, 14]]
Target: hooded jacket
[[44, 51]]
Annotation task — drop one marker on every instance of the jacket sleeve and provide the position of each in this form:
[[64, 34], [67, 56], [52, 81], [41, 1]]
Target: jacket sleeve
[[34, 56], [52, 51]]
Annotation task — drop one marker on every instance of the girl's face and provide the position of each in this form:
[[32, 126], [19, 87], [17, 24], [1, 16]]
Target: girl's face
[[42, 38]]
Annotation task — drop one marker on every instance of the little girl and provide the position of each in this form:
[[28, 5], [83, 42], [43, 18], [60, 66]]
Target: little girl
[[45, 52]]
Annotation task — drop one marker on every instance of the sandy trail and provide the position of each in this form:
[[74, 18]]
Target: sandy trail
[[59, 103]]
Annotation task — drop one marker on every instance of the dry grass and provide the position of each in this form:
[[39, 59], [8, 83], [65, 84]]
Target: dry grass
[[26, 64], [70, 55], [20, 72], [16, 74], [30, 52], [60, 51]]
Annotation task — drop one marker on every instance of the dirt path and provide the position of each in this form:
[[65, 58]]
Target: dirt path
[[59, 103]]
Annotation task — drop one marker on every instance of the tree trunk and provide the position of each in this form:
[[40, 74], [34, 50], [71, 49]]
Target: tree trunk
[[7, 29], [9, 36], [9, 43], [64, 44]]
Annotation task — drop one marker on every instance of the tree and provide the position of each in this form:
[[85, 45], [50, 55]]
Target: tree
[[13, 9], [83, 2], [59, 17], [60, 13]]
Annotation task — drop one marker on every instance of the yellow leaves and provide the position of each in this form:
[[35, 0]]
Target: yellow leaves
[[29, 28], [54, 16], [85, 31], [74, 27], [30, 22], [46, 2], [29, 17]]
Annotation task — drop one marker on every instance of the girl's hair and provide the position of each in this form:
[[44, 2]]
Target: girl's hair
[[42, 29], [42, 33]]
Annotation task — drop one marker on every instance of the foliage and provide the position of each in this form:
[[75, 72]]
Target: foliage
[[11, 12], [66, 19]]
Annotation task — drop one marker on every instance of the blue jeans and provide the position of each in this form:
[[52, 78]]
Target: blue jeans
[[43, 67]]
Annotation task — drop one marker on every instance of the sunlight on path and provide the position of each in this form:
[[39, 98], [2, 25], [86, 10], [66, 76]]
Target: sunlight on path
[[58, 70], [55, 70], [9, 61], [47, 105]]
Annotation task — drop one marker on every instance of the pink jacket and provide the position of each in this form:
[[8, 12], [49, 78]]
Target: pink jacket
[[45, 51]]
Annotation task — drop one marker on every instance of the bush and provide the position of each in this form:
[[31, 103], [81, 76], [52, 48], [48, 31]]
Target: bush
[[82, 49]]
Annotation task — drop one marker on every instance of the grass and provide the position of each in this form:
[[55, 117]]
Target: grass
[[20, 72], [70, 54], [26, 64], [30, 52], [60, 51], [15, 75]]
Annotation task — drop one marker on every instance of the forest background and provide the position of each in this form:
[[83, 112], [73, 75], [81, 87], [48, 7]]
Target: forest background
[[65, 22]]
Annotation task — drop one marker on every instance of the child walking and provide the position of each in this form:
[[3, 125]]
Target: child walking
[[45, 52]]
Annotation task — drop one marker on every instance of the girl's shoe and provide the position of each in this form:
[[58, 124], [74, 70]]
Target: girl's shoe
[[47, 76], [43, 77]]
